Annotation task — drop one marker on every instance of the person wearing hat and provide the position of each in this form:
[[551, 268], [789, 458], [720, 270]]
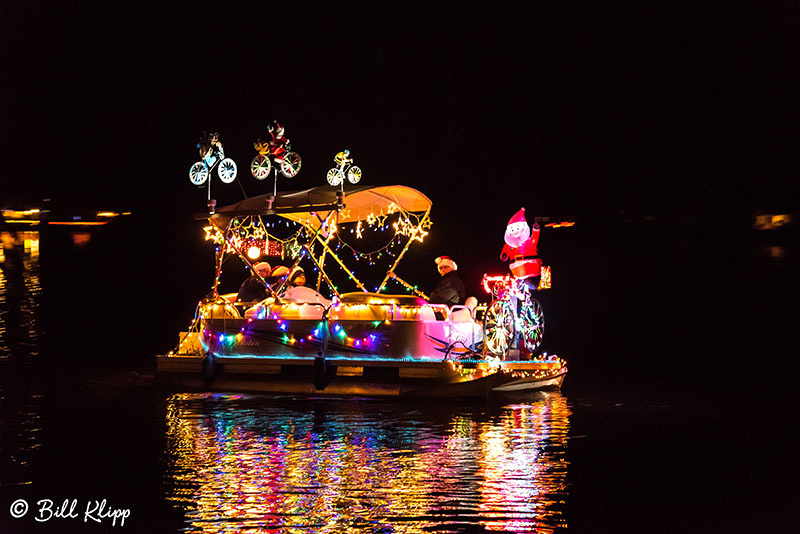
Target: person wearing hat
[[277, 276], [450, 289], [297, 277], [253, 289], [296, 290]]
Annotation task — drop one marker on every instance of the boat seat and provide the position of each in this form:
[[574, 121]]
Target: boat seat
[[287, 310], [464, 314], [303, 294], [379, 307], [230, 297], [358, 297]]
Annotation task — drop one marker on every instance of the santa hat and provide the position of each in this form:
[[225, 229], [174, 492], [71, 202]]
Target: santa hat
[[263, 266], [445, 260], [295, 272], [518, 217], [280, 270]]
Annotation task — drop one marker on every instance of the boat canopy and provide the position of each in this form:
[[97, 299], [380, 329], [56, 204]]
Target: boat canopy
[[311, 206]]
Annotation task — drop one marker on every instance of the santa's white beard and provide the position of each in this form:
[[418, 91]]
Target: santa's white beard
[[517, 239]]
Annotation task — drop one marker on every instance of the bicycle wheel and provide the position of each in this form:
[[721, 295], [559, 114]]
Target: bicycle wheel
[[335, 177], [532, 324], [498, 327], [354, 174], [198, 174], [290, 165], [260, 167], [227, 170]]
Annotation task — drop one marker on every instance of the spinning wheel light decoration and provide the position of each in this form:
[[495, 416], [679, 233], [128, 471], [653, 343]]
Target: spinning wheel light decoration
[[344, 167], [213, 156], [277, 149], [531, 323], [498, 327]]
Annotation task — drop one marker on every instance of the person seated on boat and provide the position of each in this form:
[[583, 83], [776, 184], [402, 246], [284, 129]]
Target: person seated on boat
[[277, 276], [450, 289], [295, 289], [297, 277], [253, 289]]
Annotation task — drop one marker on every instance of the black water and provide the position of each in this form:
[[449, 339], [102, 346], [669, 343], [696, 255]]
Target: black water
[[677, 414]]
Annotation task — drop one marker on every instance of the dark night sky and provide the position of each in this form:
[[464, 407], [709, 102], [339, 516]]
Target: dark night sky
[[603, 114], [570, 111]]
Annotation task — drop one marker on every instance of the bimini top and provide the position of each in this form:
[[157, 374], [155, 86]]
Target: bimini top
[[359, 204]]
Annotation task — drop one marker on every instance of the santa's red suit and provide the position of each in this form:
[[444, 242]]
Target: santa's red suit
[[525, 261]]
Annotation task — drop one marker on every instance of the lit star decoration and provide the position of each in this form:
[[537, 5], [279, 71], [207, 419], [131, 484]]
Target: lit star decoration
[[404, 226], [252, 233]]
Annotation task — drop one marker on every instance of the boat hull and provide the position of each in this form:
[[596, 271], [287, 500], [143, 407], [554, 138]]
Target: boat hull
[[358, 377], [371, 355]]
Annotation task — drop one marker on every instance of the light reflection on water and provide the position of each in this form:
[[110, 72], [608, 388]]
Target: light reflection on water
[[21, 397], [20, 300], [256, 464]]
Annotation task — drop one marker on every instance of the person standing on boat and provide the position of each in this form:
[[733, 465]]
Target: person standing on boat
[[450, 289], [253, 289]]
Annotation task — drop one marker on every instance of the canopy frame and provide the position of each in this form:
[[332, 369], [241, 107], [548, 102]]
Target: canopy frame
[[315, 209]]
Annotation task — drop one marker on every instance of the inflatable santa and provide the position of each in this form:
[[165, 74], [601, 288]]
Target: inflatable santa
[[520, 247]]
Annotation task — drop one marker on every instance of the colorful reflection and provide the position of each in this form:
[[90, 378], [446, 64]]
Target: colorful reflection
[[256, 464]]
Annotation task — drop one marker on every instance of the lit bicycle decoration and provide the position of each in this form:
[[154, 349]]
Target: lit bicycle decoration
[[278, 148], [344, 167], [212, 155]]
